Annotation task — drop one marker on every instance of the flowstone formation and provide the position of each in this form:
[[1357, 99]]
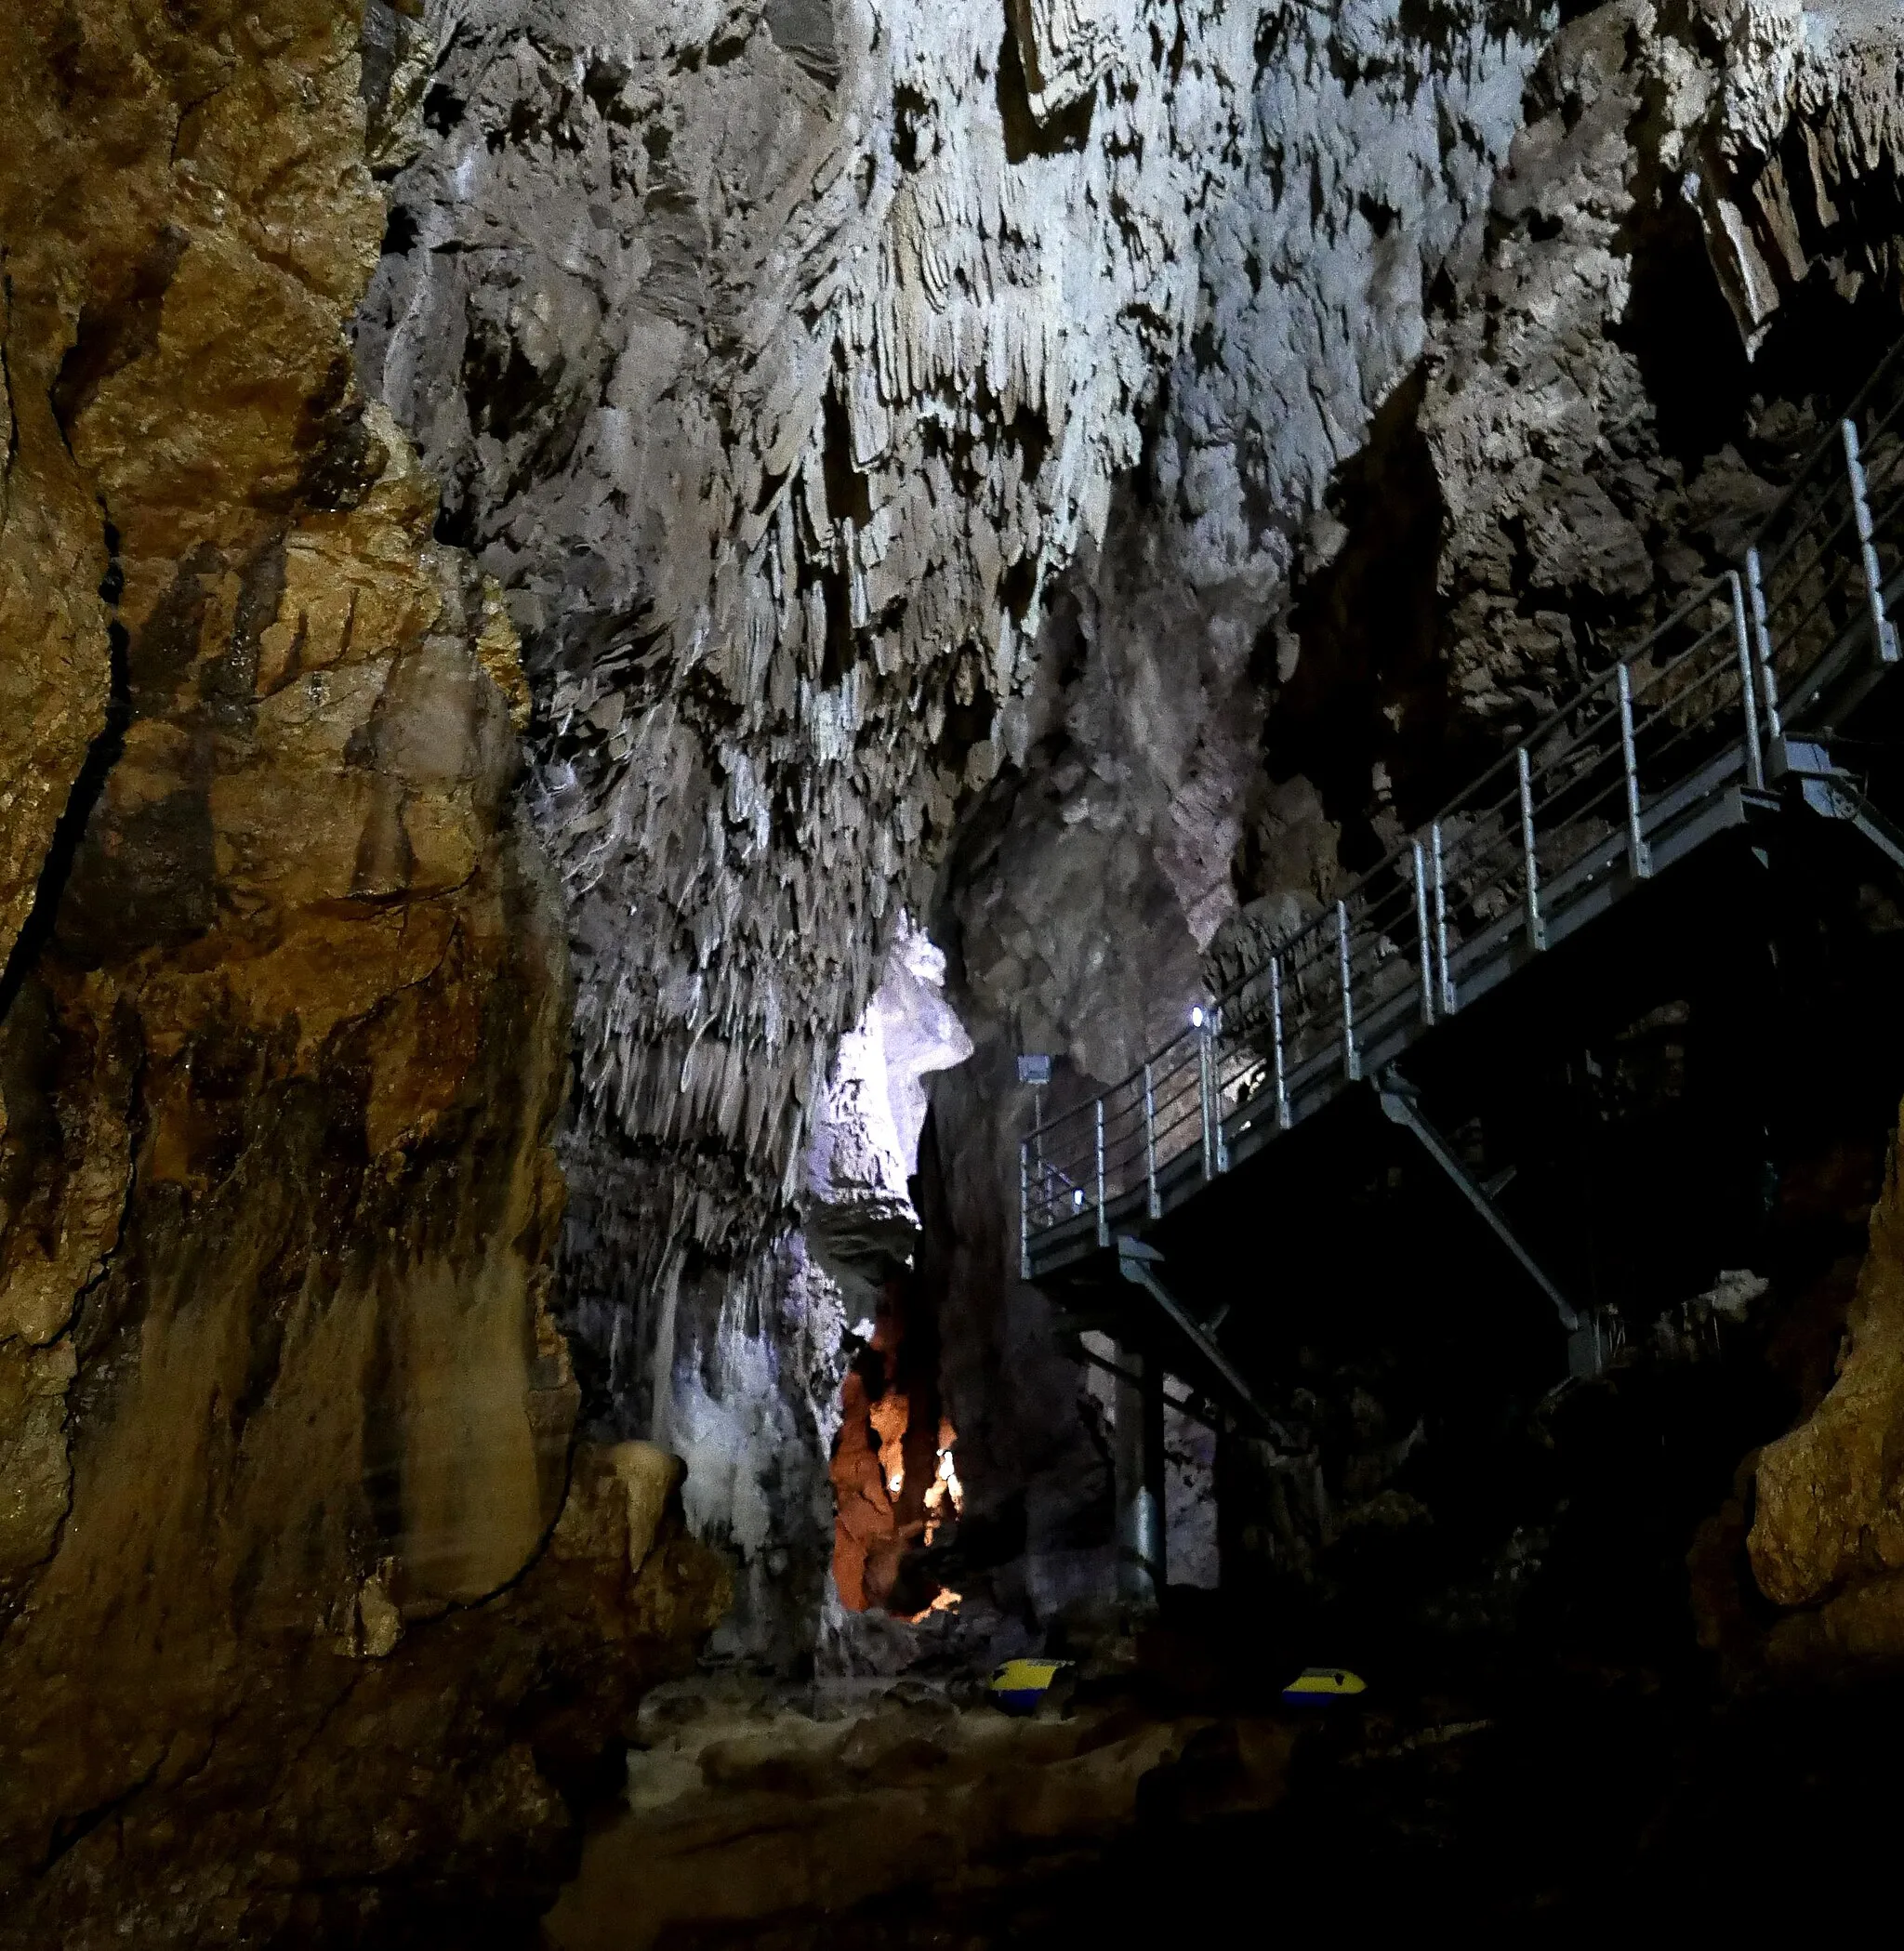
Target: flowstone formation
[[775, 362], [1826, 1540]]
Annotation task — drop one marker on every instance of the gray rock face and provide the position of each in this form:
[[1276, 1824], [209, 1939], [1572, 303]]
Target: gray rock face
[[772, 383], [775, 362], [1099, 870], [1597, 437], [772, 360]]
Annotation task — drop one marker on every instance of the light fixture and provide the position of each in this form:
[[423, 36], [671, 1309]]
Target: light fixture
[[1197, 1016]]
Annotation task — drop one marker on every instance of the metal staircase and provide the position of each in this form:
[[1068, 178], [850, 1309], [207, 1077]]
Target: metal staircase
[[1745, 705]]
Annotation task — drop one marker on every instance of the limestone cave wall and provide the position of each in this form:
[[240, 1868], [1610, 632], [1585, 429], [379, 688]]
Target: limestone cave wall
[[286, 1006]]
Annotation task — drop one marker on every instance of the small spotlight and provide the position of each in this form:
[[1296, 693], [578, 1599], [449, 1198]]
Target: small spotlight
[[1197, 1016], [1077, 1200]]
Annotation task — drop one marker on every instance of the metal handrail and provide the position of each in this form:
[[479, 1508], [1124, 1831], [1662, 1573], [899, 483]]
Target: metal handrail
[[1578, 796]]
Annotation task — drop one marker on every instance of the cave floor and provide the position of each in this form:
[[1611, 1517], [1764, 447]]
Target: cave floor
[[1565, 1799]]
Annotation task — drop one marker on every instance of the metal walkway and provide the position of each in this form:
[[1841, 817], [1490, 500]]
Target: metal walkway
[[1732, 710]]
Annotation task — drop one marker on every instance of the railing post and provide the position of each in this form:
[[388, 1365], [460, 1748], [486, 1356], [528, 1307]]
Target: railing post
[[1039, 1175], [1537, 929], [1754, 756], [1155, 1204], [1448, 999], [1104, 1230], [1203, 1095], [1219, 1144], [1639, 856], [1024, 1210], [1886, 634], [1762, 631], [1275, 1009], [1422, 939], [1351, 1058]]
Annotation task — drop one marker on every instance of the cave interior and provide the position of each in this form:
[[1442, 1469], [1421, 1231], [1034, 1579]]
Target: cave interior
[[640, 644]]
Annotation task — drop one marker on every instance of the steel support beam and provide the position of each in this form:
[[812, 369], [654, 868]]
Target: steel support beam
[[1530, 864], [1882, 632], [1137, 1457], [1135, 1261], [1399, 1104], [1193, 1407], [1833, 794]]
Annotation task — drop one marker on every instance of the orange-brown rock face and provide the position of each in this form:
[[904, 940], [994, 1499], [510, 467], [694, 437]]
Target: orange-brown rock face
[[283, 1035], [1828, 1532]]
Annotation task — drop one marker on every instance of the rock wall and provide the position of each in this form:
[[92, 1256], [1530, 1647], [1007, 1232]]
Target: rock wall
[[1824, 1540], [776, 363], [774, 359], [285, 1039], [1598, 438], [1088, 884]]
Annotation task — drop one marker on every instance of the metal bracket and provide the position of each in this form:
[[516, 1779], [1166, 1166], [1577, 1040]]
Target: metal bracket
[[1135, 1260], [1834, 794], [1591, 1346], [1400, 1104]]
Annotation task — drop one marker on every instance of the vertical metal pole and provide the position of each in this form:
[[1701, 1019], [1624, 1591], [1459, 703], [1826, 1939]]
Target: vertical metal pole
[[1219, 1144], [1537, 931], [1104, 1230], [1762, 630], [1887, 637], [1024, 1210], [1639, 856], [1156, 1210], [1754, 756], [1276, 1006], [1203, 1095], [1441, 921], [1422, 939], [1351, 1058], [1154, 1546], [1038, 1139], [1139, 1574]]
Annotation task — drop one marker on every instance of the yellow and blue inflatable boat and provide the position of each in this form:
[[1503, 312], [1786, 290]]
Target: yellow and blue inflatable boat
[[1019, 1686], [1318, 1685]]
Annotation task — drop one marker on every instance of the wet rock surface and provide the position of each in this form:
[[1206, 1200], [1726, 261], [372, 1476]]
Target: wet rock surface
[[772, 1818], [1572, 1801]]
